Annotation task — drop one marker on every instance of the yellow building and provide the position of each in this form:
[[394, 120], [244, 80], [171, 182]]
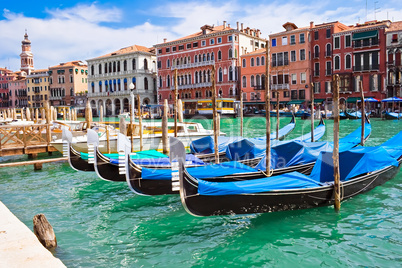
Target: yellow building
[[38, 88]]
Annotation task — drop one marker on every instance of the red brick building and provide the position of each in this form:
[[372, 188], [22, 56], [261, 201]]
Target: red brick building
[[194, 56]]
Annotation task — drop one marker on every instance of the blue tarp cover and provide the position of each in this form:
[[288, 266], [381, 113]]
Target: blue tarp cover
[[207, 171], [190, 160], [255, 147], [293, 180]]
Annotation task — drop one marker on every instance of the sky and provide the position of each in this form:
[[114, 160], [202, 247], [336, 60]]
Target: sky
[[62, 31]]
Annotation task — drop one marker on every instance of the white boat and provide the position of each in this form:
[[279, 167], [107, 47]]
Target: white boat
[[152, 137]]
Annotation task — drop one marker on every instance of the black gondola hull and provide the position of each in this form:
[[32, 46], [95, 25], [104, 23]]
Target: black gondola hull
[[77, 163], [202, 205], [107, 170]]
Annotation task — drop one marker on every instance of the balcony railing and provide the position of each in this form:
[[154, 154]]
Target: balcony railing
[[191, 86], [259, 87], [122, 73], [328, 53], [193, 65], [328, 72], [358, 68], [280, 86]]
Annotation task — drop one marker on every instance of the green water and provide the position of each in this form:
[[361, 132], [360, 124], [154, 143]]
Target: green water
[[104, 224]]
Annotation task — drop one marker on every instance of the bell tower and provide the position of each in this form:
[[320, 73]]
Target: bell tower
[[26, 56]]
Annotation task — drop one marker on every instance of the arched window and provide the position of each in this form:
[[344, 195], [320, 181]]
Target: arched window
[[244, 63], [220, 77], [205, 76], [209, 76], [195, 58], [134, 65], [244, 80], [328, 50], [204, 57], [252, 62], [316, 51], [212, 56], [146, 83], [199, 58], [160, 81], [168, 81], [114, 67], [208, 57], [100, 68], [348, 61], [196, 77], [189, 79], [230, 73], [230, 53], [252, 81], [110, 67], [262, 60], [258, 80], [336, 62], [145, 64], [258, 61], [219, 55]]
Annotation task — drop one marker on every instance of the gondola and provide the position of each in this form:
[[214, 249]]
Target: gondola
[[393, 116], [361, 169], [301, 157], [354, 114], [74, 157]]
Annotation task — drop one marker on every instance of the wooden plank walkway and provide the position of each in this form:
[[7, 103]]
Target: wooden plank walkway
[[33, 162]]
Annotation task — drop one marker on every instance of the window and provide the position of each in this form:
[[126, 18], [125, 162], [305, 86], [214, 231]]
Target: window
[[328, 69], [212, 41], [219, 40], [284, 40], [203, 43], [159, 51], [188, 46], [317, 87], [244, 80], [357, 83], [230, 53], [302, 94], [244, 63], [328, 86], [273, 42], [316, 35], [302, 54], [181, 47], [195, 44], [219, 55], [348, 42], [317, 69], [337, 42], [274, 60], [294, 79], [252, 83], [292, 55], [302, 78], [167, 49], [252, 62], [258, 61], [328, 50], [301, 38], [293, 95], [263, 60], [337, 62], [316, 51], [220, 77], [375, 82], [173, 49], [348, 61], [230, 38], [328, 33], [292, 39]]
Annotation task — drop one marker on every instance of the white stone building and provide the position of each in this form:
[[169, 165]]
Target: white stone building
[[110, 77]]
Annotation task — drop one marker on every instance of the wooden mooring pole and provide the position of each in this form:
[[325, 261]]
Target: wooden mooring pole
[[312, 111], [363, 112], [335, 156], [241, 113], [140, 120], [215, 116], [165, 127], [175, 102], [44, 231], [268, 112]]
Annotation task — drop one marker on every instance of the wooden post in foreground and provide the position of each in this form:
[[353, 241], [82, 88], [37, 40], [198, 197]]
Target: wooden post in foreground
[[140, 120], [180, 110], [165, 127], [363, 112], [241, 113], [44, 231], [215, 116], [175, 102], [277, 114], [267, 111], [122, 126], [335, 156], [312, 111]]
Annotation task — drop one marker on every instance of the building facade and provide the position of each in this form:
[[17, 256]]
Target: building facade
[[65, 81], [6, 76], [110, 77], [196, 56], [290, 65], [38, 88], [394, 59], [253, 79], [18, 92]]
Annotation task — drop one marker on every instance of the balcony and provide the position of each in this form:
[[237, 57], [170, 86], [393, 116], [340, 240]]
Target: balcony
[[365, 68], [328, 53], [111, 94], [193, 65], [192, 86], [122, 73], [366, 43], [280, 86], [259, 87]]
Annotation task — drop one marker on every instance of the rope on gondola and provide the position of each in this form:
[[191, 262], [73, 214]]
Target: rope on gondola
[[271, 171]]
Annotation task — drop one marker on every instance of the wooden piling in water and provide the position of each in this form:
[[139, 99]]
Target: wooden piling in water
[[165, 127], [241, 113], [215, 116], [277, 115], [363, 112], [175, 102], [312, 111], [44, 231], [180, 110], [122, 126], [140, 120], [267, 112], [335, 156]]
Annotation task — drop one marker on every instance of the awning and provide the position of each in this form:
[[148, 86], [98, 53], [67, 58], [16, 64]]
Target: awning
[[352, 99], [254, 103], [317, 100], [365, 35], [296, 102]]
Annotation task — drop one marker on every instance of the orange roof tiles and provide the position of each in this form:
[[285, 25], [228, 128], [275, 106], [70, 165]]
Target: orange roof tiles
[[258, 51], [395, 26], [69, 64], [127, 50]]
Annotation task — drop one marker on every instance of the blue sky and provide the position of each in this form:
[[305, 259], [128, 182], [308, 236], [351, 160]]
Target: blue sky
[[63, 31]]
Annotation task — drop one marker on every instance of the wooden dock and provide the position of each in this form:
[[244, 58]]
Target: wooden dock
[[25, 139]]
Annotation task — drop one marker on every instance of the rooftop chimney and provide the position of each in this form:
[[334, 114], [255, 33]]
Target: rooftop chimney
[[164, 40], [311, 24], [237, 25], [224, 24], [242, 27]]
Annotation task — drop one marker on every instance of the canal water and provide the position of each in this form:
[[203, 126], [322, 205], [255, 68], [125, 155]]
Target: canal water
[[104, 224]]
